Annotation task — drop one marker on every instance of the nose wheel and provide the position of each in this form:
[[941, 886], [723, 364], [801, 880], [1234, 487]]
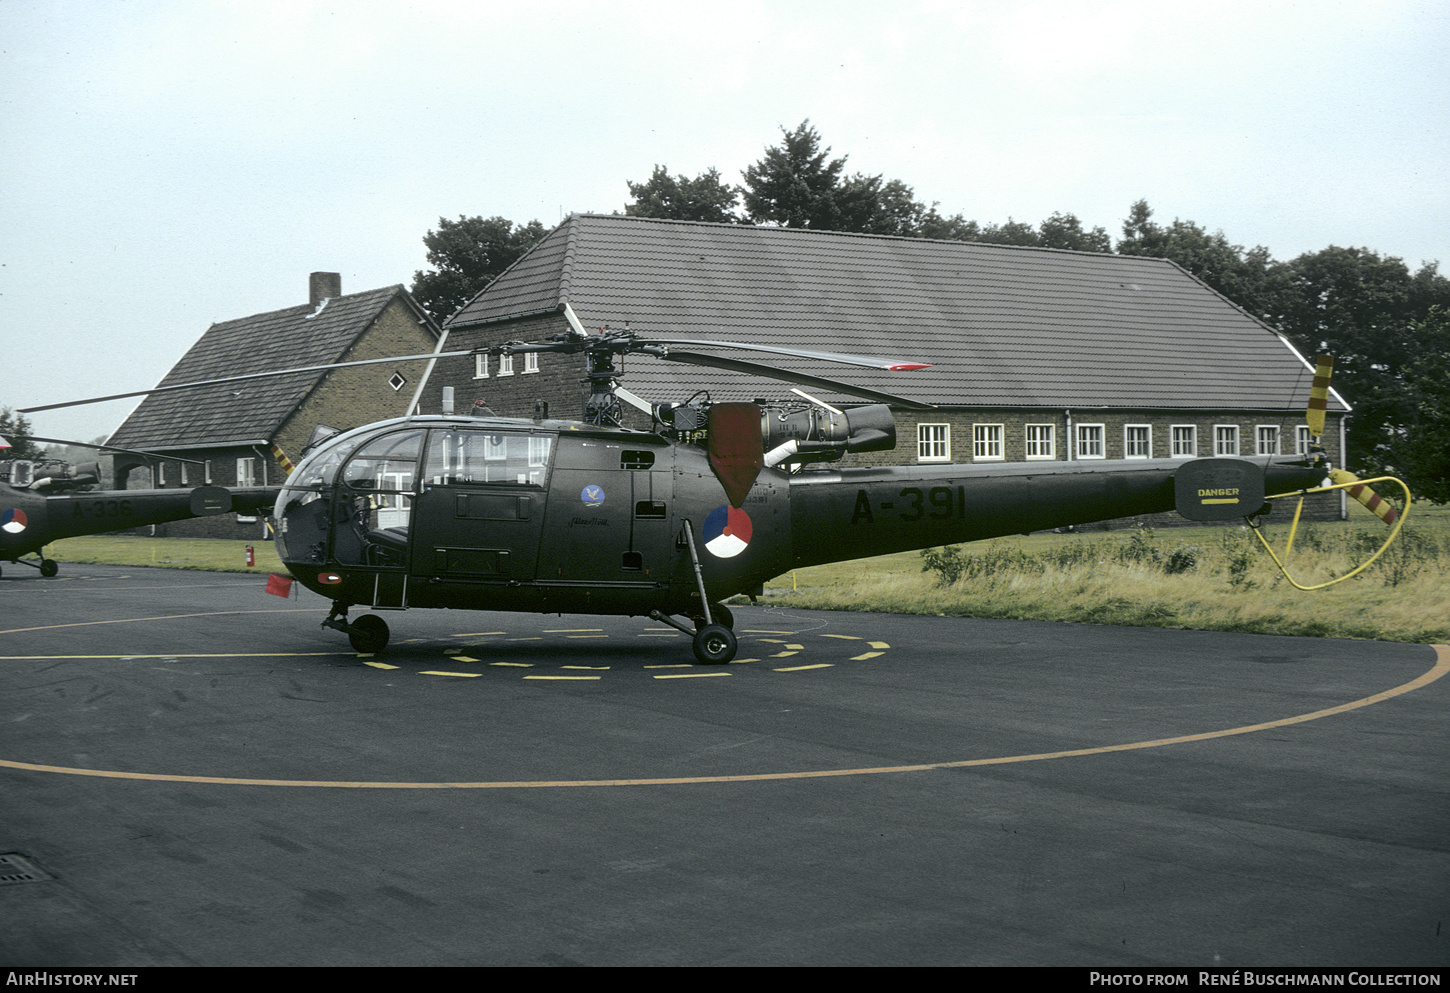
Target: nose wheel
[[715, 644], [368, 634]]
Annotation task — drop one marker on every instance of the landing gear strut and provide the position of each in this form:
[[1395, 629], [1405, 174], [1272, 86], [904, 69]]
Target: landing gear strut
[[368, 634]]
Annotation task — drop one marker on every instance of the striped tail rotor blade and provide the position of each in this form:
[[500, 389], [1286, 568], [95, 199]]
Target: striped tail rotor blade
[[1372, 501], [1319, 394]]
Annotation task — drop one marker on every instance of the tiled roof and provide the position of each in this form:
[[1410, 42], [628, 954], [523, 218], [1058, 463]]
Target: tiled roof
[[252, 410], [1003, 325]]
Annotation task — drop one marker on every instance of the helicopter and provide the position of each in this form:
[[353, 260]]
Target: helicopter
[[44, 500], [475, 511]]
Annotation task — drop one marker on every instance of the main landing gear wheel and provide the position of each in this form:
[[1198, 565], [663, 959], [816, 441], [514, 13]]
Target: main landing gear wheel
[[720, 614], [715, 644], [369, 634], [49, 567]]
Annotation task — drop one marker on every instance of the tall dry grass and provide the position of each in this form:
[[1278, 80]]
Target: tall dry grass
[[1208, 579]]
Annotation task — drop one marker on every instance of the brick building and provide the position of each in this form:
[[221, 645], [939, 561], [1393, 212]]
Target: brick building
[[229, 430], [1038, 354]]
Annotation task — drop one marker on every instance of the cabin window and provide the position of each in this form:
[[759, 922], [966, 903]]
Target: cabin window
[[1225, 439], [933, 442], [495, 457], [1185, 441], [1266, 439], [1137, 441], [1090, 441], [1042, 441]]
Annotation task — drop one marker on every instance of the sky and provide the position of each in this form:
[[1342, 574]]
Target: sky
[[165, 165]]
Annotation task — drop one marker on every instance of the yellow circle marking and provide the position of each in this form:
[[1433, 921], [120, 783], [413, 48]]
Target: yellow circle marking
[[1441, 667]]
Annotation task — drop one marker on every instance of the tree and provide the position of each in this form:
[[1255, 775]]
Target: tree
[[796, 184], [704, 198], [1419, 448], [1251, 279], [12, 427], [1373, 316], [468, 254]]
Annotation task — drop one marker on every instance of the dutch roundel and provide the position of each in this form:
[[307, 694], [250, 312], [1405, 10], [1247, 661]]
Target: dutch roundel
[[12, 521], [727, 532]]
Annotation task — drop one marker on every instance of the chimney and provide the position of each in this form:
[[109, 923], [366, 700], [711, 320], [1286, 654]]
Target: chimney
[[323, 286]]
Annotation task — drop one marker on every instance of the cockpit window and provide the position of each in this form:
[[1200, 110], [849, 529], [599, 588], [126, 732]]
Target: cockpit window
[[386, 463], [473, 456]]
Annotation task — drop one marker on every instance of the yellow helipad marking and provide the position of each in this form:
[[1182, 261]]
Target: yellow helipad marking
[[479, 634], [526, 639], [658, 634], [782, 655], [587, 636], [563, 677], [465, 658], [689, 675], [570, 630], [798, 668], [584, 667], [879, 644], [1441, 667], [863, 658], [440, 672], [746, 631], [380, 665], [844, 637], [520, 665], [672, 665]]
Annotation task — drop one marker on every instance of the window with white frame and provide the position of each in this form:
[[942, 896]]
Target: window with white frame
[[933, 442], [161, 474], [206, 472], [1266, 439], [480, 366], [185, 474], [1042, 441], [246, 472], [1090, 441], [987, 442], [1137, 441], [531, 362], [1302, 440], [505, 365], [1225, 439], [1185, 441]]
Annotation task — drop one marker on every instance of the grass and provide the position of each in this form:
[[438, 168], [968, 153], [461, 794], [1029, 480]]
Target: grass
[[1217, 579], [1201, 578], [206, 554]]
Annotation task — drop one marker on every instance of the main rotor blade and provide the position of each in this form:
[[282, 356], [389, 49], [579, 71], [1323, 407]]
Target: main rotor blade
[[108, 448], [237, 379], [800, 379], [892, 365]]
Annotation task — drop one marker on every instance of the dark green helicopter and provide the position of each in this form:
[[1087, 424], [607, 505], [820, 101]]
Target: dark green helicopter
[[478, 512], [44, 500]]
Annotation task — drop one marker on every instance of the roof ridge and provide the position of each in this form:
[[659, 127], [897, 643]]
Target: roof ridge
[[901, 238], [566, 268], [307, 307]]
